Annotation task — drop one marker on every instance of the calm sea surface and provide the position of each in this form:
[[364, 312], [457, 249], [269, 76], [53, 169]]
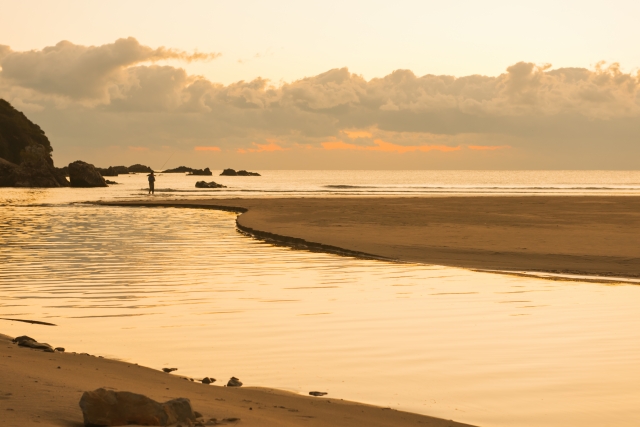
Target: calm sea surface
[[182, 288]]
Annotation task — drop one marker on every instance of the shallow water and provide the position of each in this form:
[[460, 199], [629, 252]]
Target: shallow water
[[181, 288]]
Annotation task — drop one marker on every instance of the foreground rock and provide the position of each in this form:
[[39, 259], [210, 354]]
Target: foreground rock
[[103, 407], [25, 152], [83, 174], [234, 382], [26, 341], [232, 172], [203, 184]]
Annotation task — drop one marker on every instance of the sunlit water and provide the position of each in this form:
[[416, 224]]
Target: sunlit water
[[181, 288]]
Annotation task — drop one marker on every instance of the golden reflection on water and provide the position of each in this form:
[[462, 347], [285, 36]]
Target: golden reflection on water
[[181, 288]]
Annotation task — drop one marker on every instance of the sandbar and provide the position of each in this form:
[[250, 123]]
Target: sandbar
[[582, 235]]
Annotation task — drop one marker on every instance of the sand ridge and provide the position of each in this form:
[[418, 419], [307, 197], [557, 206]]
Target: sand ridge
[[38, 388]]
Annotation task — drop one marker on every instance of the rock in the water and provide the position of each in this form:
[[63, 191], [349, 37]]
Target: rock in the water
[[234, 382], [110, 182], [60, 349], [83, 174], [138, 168], [204, 172], [18, 340], [167, 370], [207, 380], [203, 184], [103, 407], [317, 393], [232, 172]]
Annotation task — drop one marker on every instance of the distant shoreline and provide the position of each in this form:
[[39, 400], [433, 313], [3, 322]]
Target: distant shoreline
[[575, 235]]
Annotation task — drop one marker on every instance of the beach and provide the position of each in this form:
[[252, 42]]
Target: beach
[[44, 389], [595, 235]]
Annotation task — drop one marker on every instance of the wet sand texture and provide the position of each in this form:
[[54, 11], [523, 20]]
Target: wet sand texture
[[34, 391], [561, 234]]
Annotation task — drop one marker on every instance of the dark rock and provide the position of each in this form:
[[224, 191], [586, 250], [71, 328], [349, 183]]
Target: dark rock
[[26, 152], [60, 349], [64, 171], [231, 172], [83, 174], [180, 169], [167, 370], [21, 338], [138, 168], [207, 380], [103, 407], [114, 170], [197, 414], [201, 172], [110, 182], [234, 382], [107, 172], [317, 393], [203, 184], [25, 341]]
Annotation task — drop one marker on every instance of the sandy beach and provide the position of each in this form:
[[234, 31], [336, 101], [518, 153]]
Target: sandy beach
[[594, 235], [39, 388]]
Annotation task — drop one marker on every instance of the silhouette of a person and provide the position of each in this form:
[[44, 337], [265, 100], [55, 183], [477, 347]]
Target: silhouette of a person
[[152, 180]]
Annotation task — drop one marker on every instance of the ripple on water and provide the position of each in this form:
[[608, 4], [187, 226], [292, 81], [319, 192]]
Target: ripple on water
[[180, 287]]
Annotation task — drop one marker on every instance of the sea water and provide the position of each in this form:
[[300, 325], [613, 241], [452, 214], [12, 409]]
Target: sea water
[[182, 288]]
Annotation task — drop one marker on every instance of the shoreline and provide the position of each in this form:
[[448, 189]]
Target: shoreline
[[561, 235], [45, 388]]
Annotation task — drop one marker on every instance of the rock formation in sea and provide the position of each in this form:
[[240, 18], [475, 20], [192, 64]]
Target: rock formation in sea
[[190, 171], [25, 152], [138, 168], [83, 174], [212, 184], [232, 172]]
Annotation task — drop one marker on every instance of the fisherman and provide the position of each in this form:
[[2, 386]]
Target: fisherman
[[152, 180]]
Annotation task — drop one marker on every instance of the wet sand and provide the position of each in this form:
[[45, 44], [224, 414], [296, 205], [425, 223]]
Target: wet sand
[[593, 235], [44, 389]]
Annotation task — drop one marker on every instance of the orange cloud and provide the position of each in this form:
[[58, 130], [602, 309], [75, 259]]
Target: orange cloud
[[386, 147], [211, 148], [488, 147], [271, 146], [138, 148], [353, 134]]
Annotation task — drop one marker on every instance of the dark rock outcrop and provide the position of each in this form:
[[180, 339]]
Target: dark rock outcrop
[[232, 172], [138, 168], [26, 151], [179, 169], [83, 174], [201, 172], [103, 407], [114, 170], [203, 184], [207, 380]]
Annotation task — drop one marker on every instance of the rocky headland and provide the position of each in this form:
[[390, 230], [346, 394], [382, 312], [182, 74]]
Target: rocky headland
[[25, 152]]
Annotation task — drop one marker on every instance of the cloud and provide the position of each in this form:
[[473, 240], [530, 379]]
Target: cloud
[[271, 146], [488, 147], [381, 145], [84, 72], [95, 95], [211, 148]]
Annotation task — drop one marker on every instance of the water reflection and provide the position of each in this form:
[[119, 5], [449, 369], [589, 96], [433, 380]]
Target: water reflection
[[181, 287]]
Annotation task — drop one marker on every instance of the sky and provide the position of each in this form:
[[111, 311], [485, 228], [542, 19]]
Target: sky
[[329, 85]]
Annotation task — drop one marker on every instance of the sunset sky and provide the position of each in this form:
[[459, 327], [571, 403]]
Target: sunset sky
[[329, 85]]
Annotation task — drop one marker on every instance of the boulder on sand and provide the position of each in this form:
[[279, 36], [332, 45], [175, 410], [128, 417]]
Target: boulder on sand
[[203, 184], [83, 174], [103, 407]]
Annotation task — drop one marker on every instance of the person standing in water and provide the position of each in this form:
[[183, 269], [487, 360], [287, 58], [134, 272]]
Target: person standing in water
[[152, 180]]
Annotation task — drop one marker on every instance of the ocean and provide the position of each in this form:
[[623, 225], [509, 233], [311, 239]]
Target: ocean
[[167, 287]]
